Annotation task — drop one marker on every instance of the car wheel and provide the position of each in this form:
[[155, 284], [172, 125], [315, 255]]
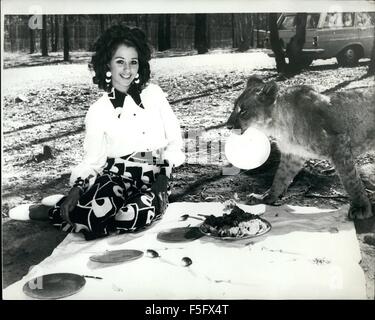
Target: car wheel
[[348, 57]]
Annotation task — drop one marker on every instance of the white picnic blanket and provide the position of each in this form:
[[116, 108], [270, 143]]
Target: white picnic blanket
[[309, 253]]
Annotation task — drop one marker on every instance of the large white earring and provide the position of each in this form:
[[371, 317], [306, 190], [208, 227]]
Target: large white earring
[[108, 77], [136, 79], [108, 80]]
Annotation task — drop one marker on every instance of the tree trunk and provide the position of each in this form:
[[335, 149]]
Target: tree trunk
[[242, 31], [371, 67], [161, 36], [201, 38], [101, 23], [44, 44], [32, 39], [77, 32], [12, 36], [146, 26], [164, 32], [258, 44], [233, 33], [251, 31], [56, 34], [276, 47], [168, 30], [66, 38], [52, 39], [294, 47]]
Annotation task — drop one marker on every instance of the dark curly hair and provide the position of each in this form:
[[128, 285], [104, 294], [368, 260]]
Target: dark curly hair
[[105, 47]]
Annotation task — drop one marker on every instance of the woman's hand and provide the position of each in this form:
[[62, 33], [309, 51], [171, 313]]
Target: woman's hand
[[70, 203], [159, 188]]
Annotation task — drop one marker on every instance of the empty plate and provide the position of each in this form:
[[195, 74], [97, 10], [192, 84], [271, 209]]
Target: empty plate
[[52, 200], [183, 234], [21, 212], [54, 285], [116, 256]]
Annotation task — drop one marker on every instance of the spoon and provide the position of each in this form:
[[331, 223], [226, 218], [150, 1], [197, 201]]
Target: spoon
[[186, 261], [154, 254], [186, 216]]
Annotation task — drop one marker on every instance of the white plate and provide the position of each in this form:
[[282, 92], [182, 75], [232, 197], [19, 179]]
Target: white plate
[[52, 200], [20, 212]]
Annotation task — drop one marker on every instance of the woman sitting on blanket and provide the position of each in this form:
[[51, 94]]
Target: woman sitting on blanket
[[133, 140]]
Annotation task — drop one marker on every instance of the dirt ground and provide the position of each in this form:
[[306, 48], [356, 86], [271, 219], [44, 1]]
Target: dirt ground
[[52, 117]]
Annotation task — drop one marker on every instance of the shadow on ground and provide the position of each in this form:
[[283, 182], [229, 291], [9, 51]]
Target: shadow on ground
[[26, 244]]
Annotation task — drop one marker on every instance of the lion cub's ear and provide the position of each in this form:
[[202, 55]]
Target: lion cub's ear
[[254, 81], [267, 94]]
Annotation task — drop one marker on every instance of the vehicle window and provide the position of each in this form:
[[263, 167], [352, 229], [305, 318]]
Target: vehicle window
[[288, 23], [312, 20], [348, 19], [333, 20], [364, 19]]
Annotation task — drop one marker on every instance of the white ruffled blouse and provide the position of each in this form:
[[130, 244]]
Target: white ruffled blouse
[[112, 133]]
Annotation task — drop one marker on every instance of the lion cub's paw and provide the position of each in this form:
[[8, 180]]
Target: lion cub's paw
[[360, 212], [266, 198]]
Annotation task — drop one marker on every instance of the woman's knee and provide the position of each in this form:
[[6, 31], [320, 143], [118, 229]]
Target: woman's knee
[[140, 211]]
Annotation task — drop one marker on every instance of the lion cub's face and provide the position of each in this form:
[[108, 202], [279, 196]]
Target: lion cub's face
[[254, 106]]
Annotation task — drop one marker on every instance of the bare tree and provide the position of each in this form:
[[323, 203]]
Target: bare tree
[[109, 18], [258, 44], [297, 60], [242, 31], [371, 67], [44, 43], [251, 30], [146, 24], [101, 23], [52, 32], [201, 42], [164, 32], [32, 38], [168, 30], [276, 46], [66, 38], [136, 20], [294, 48], [55, 33]]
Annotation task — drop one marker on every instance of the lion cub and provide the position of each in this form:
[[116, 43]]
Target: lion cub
[[307, 124]]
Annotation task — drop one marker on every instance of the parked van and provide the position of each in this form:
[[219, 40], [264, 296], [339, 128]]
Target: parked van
[[348, 36]]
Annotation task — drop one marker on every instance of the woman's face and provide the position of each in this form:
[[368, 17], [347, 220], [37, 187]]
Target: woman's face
[[124, 67]]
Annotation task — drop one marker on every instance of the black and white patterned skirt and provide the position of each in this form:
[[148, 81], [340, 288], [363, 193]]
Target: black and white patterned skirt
[[120, 199]]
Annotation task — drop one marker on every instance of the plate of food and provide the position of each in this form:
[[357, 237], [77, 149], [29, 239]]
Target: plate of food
[[236, 225]]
